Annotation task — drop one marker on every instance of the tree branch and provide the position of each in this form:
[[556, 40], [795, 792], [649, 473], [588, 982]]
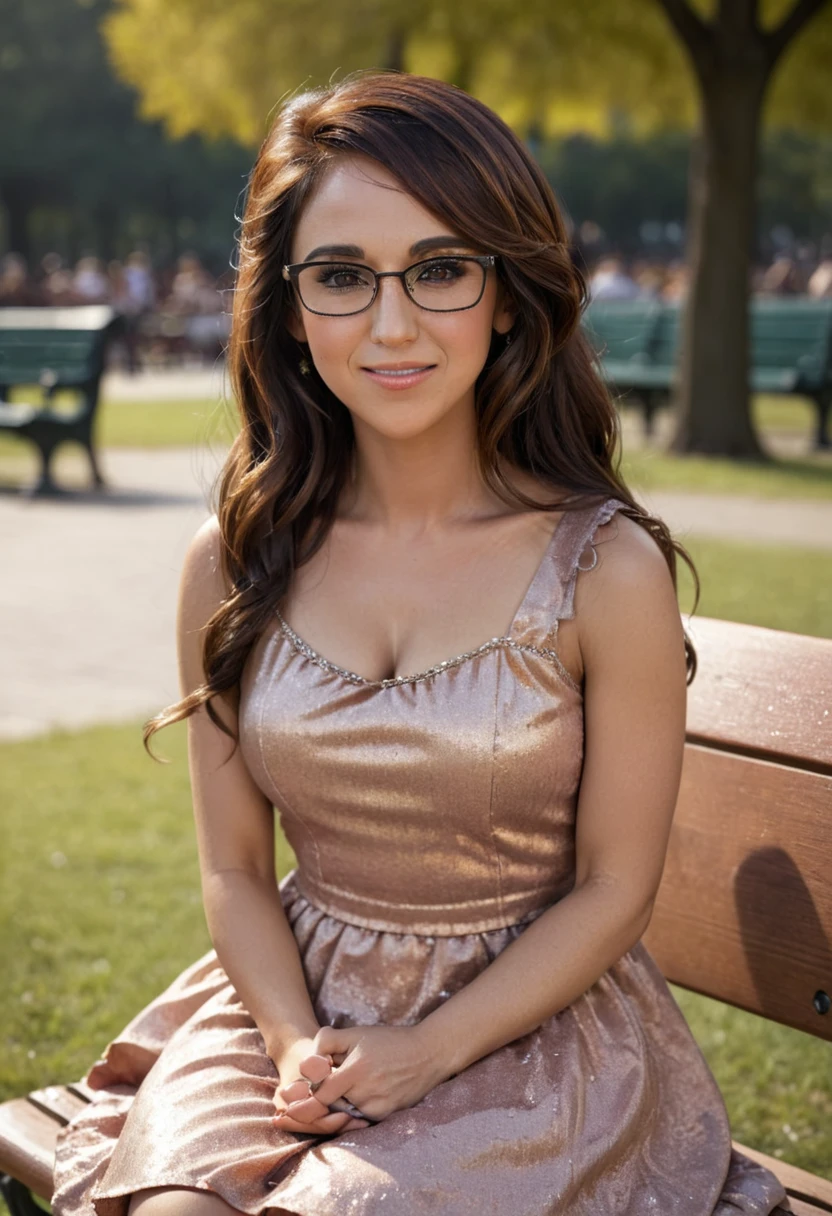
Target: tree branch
[[739, 16], [779, 38], [695, 33]]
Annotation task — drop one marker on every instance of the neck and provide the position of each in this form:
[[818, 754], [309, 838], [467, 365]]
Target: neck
[[420, 482]]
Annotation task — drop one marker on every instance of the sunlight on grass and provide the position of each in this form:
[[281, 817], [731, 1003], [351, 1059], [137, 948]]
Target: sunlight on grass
[[778, 587]]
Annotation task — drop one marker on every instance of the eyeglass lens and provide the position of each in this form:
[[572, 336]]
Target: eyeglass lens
[[441, 285]]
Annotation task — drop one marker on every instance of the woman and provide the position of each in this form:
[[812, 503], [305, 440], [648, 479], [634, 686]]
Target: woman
[[447, 1007]]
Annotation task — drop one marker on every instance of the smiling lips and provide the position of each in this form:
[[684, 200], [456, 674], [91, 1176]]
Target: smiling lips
[[399, 370], [401, 376]]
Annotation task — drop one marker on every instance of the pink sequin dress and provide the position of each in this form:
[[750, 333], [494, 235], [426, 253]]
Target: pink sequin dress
[[433, 819]]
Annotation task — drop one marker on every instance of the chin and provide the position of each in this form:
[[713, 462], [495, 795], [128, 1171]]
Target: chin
[[403, 424]]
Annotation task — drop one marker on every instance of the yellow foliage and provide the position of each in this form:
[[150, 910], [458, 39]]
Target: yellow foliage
[[220, 69]]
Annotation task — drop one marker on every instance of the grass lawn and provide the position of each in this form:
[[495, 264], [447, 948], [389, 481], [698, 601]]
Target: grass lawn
[[100, 901], [779, 587], [177, 423], [807, 477]]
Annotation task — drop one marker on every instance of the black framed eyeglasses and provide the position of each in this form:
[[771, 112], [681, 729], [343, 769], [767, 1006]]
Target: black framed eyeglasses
[[450, 283]]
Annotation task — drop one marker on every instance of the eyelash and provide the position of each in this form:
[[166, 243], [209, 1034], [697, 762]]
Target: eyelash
[[441, 263]]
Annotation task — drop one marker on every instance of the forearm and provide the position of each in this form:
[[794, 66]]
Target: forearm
[[553, 962], [256, 948]]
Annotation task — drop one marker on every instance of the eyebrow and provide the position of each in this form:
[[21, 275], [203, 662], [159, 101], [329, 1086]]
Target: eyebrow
[[424, 246]]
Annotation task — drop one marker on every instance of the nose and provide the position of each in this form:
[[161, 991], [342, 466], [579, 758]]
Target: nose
[[394, 314]]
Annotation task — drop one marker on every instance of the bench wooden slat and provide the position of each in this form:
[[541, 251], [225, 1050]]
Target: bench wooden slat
[[27, 1145], [801, 1208], [763, 692], [57, 1101], [29, 1127], [807, 1186], [744, 910]]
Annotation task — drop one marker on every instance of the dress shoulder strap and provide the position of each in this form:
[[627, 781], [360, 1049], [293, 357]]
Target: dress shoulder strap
[[572, 549]]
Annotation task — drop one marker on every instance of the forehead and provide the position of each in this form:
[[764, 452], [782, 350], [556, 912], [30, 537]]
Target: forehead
[[359, 202]]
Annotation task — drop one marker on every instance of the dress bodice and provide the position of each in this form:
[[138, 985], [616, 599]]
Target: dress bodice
[[438, 803]]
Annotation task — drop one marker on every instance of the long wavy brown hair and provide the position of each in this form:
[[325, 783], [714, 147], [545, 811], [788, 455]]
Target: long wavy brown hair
[[541, 403]]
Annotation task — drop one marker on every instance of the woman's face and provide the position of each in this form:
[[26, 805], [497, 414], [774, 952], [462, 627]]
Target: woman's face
[[360, 203]]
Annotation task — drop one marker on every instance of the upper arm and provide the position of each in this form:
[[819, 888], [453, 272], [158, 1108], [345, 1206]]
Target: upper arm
[[632, 644], [234, 819]]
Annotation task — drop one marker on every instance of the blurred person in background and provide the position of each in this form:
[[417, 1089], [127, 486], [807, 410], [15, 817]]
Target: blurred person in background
[[784, 277], [17, 287], [650, 276], [90, 283], [610, 281], [819, 286], [134, 298], [195, 297], [193, 291], [676, 282], [56, 281], [140, 287]]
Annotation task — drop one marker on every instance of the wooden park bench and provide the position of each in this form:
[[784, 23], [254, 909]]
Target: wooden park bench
[[54, 348], [791, 351], [744, 912]]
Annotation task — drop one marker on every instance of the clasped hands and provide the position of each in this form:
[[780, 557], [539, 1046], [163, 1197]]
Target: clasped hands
[[376, 1069]]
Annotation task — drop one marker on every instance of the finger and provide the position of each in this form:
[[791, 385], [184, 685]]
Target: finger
[[337, 1085], [327, 1126], [295, 1091], [322, 1127], [316, 1067], [308, 1110]]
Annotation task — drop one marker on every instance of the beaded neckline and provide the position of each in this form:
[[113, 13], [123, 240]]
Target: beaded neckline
[[503, 642], [394, 681]]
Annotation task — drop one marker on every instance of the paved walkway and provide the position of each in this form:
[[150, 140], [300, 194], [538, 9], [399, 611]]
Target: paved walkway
[[198, 383], [88, 597]]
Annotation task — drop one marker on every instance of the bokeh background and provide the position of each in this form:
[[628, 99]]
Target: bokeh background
[[690, 145]]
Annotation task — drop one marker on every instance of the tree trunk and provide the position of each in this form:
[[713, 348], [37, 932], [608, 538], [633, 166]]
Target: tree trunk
[[394, 50], [713, 396]]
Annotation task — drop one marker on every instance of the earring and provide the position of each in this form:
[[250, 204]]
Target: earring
[[508, 338], [304, 366]]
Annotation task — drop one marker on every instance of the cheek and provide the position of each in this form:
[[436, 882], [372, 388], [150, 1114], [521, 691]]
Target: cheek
[[332, 341]]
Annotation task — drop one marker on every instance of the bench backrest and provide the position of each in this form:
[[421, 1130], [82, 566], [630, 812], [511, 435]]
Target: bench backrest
[[744, 911], [785, 333], [620, 329], [53, 346], [793, 333]]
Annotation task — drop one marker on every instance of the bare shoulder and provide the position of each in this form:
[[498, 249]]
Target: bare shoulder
[[203, 585], [628, 555], [629, 592]]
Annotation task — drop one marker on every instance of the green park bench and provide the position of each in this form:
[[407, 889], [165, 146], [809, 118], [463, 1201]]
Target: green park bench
[[744, 910], [55, 349], [791, 351]]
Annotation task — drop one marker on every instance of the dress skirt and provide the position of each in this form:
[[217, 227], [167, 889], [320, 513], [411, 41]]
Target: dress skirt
[[607, 1108]]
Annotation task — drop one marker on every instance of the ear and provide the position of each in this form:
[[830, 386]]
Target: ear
[[294, 324], [505, 314]]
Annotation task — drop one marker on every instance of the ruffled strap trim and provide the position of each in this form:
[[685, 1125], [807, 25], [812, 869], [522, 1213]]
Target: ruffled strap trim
[[581, 539], [552, 597]]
